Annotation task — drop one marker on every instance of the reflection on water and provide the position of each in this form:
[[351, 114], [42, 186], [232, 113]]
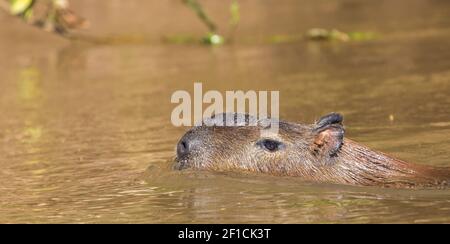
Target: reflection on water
[[85, 132]]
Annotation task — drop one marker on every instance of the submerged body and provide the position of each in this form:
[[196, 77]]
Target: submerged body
[[317, 152]]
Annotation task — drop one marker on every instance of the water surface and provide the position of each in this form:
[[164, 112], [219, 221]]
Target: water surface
[[85, 129]]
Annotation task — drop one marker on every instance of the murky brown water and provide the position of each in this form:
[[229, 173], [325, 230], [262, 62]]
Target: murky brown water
[[85, 129]]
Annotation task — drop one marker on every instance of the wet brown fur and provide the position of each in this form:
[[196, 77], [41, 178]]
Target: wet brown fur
[[233, 149]]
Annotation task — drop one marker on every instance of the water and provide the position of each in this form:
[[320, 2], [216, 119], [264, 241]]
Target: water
[[85, 129]]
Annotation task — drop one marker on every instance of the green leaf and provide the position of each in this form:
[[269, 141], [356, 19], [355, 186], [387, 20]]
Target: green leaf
[[213, 39], [362, 36], [336, 35], [19, 6], [28, 14]]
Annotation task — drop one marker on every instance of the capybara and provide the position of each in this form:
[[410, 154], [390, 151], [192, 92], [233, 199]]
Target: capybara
[[315, 152]]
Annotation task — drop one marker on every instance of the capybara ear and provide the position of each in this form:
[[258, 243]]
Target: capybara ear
[[329, 119], [328, 135]]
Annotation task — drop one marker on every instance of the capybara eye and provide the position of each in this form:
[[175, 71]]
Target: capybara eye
[[270, 145]]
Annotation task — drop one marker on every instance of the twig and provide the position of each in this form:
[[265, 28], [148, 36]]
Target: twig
[[194, 5]]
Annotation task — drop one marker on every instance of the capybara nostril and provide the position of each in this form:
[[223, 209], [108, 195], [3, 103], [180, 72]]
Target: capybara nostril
[[183, 148], [187, 145]]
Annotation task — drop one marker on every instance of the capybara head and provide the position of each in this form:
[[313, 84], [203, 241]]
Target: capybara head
[[315, 152]]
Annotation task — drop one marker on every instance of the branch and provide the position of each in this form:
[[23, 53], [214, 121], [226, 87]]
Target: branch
[[194, 5]]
